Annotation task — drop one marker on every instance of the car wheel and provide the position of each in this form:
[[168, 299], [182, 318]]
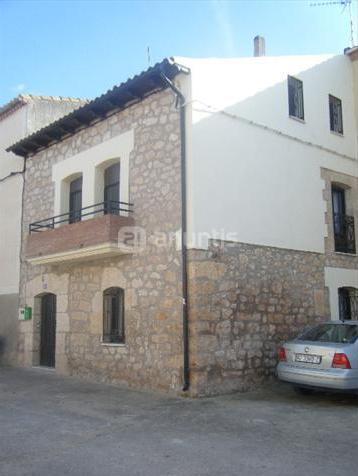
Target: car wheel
[[303, 390]]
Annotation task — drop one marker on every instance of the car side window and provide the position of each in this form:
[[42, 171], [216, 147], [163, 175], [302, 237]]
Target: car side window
[[339, 333]]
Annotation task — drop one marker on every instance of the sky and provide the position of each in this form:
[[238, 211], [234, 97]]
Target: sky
[[82, 48]]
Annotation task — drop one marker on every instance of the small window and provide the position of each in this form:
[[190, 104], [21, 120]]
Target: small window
[[335, 114], [113, 316], [295, 98]]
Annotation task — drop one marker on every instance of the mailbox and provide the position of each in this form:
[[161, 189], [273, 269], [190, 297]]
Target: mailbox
[[25, 313]]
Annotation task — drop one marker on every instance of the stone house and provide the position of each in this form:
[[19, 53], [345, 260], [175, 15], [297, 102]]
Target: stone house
[[19, 118], [179, 227]]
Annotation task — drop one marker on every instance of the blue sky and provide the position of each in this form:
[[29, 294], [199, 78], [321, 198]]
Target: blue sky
[[83, 48]]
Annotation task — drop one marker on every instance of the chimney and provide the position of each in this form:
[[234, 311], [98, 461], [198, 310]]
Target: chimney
[[352, 53], [259, 46]]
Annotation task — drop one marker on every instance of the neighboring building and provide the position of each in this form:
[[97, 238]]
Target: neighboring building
[[256, 158], [22, 116]]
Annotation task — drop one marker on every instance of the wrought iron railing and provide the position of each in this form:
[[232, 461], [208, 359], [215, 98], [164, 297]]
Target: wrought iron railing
[[104, 208], [344, 234]]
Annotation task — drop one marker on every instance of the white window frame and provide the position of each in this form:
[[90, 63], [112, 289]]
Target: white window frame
[[91, 164]]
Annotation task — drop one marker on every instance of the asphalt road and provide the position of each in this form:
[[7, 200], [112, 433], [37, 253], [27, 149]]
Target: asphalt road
[[51, 425]]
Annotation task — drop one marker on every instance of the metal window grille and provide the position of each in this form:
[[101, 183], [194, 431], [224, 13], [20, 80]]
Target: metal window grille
[[348, 304], [343, 225], [335, 114], [295, 98], [113, 315]]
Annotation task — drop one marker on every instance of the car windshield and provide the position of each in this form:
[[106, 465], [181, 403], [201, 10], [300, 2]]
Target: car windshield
[[335, 333]]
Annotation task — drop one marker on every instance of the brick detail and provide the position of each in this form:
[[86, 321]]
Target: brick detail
[[91, 232]]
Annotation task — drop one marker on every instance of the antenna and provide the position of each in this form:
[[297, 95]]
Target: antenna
[[148, 55], [344, 4]]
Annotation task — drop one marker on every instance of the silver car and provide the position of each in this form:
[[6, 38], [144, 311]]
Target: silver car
[[323, 357]]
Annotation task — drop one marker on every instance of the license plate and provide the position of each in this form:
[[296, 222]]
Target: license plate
[[308, 359]]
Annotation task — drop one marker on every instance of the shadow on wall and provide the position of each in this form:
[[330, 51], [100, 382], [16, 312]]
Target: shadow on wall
[[2, 346], [8, 328]]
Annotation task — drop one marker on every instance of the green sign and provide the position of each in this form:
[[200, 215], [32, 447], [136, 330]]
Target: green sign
[[25, 313]]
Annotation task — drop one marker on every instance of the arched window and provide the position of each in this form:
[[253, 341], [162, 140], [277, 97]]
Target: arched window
[[75, 204], [111, 189], [348, 304], [113, 315]]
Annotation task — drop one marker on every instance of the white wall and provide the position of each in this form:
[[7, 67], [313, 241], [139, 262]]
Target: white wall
[[12, 128], [263, 186], [355, 75], [336, 278], [10, 222], [33, 115]]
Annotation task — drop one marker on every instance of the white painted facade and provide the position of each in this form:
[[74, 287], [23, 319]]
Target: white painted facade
[[12, 128], [28, 114], [254, 173], [19, 118]]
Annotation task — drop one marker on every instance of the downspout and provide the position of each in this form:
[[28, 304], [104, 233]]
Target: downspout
[[181, 101], [21, 225]]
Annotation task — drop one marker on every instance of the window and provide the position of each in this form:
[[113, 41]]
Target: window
[[348, 304], [111, 189], [335, 333], [335, 114], [339, 209], [75, 200], [343, 225], [113, 315], [295, 98]]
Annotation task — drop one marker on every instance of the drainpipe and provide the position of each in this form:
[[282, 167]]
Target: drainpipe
[[181, 102]]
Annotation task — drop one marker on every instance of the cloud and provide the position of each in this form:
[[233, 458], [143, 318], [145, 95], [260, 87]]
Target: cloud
[[19, 88], [222, 18]]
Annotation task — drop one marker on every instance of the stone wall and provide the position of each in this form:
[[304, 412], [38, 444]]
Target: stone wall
[[244, 301], [152, 354]]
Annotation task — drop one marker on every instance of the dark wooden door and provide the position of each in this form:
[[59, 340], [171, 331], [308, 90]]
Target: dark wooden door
[[48, 330]]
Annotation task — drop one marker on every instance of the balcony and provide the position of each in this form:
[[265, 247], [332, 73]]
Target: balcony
[[90, 233], [344, 235]]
